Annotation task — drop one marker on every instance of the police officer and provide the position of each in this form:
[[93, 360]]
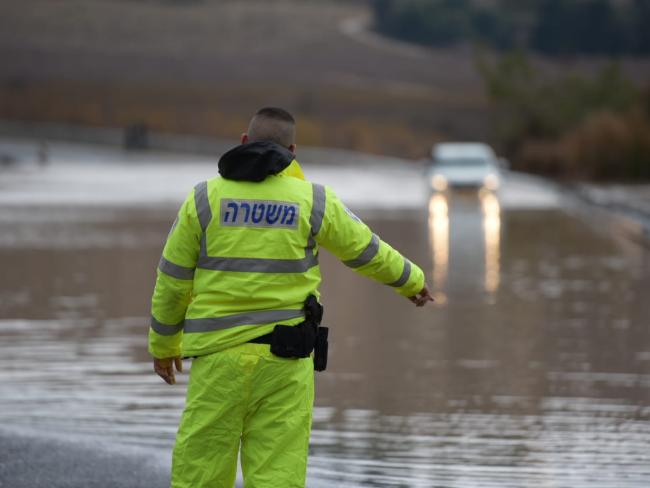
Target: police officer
[[235, 274]]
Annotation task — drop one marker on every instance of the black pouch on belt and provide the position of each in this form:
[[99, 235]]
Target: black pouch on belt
[[293, 341], [300, 340]]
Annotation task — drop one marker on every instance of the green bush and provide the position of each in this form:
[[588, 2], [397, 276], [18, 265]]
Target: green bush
[[569, 126], [528, 104]]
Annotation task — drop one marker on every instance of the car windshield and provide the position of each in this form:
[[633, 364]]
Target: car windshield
[[462, 163]]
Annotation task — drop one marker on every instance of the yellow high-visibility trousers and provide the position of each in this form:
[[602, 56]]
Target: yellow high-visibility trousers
[[245, 396]]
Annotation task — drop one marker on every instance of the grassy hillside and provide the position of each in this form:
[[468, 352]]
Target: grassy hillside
[[204, 66]]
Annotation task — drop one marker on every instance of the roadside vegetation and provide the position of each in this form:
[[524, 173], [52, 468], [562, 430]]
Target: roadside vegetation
[[574, 126], [571, 126]]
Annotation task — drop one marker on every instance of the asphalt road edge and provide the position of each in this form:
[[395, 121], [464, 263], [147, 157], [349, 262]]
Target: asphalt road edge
[[29, 459]]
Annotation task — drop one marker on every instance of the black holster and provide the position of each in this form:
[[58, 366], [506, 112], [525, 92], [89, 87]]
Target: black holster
[[298, 341], [320, 349]]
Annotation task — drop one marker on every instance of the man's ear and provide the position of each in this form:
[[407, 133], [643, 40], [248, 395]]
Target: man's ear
[[292, 148], [244, 138]]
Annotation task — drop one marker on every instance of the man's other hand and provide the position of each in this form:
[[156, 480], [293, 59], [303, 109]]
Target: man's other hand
[[165, 368], [422, 298]]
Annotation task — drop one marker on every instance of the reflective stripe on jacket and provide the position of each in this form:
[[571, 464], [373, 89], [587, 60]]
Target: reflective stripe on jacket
[[242, 257]]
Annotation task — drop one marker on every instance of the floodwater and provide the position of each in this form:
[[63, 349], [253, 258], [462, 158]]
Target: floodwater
[[532, 368]]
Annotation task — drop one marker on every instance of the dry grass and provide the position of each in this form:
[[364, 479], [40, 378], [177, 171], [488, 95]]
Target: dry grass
[[222, 113]]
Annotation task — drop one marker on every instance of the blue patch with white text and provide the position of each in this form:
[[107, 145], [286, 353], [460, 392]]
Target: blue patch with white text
[[259, 213]]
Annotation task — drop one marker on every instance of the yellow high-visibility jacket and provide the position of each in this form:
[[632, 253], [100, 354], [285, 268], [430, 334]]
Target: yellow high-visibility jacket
[[242, 256]]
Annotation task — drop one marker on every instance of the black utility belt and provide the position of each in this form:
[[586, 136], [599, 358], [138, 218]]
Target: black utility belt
[[298, 341]]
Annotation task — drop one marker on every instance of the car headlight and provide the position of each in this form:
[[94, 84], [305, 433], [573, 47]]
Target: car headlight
[[491, 181], [439, 182]]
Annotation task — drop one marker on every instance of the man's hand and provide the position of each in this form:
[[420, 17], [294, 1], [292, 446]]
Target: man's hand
[[422, 298], [165, 368]]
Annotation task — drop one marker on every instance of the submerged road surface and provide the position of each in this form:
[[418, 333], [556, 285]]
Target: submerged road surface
[[38, 461], [532, 368]]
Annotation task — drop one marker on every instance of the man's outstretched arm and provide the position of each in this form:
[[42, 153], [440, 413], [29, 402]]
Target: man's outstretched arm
[[352, 241]]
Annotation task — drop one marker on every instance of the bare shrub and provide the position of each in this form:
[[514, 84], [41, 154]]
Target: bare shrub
[[606, 146], [542, 157]]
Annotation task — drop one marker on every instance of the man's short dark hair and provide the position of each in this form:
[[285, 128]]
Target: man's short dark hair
[[273, 124], [276, 113]]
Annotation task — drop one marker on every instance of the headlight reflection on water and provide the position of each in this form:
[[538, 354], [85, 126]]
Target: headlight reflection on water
[[492, 240], [439, 236], [440, 220]]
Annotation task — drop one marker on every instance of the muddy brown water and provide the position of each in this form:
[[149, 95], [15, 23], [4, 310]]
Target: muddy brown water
[[532, 369]]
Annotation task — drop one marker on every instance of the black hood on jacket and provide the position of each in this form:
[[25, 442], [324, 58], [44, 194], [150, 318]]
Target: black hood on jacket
[[254, 161]]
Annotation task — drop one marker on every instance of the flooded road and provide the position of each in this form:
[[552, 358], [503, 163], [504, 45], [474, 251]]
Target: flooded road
[[532, 368]]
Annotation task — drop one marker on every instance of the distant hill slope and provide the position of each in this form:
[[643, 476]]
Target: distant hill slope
[[283, 40], [202, 67]]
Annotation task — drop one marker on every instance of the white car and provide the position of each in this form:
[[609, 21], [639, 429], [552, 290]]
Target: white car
[[464, 164]]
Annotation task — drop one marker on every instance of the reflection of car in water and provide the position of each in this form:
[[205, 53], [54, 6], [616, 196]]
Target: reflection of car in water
[[463, 165], [465, 238]]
